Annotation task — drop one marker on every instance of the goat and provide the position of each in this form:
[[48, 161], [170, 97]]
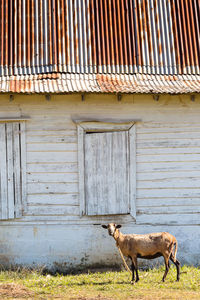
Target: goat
[[147, 246]]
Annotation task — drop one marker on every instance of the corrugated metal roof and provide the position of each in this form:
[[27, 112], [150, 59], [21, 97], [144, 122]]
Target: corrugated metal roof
[[44, 41], [100, 83]]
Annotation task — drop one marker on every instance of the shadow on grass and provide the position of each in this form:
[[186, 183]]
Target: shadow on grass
[[109, 282]]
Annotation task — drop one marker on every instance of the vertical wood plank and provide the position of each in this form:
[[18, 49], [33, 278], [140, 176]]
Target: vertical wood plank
[[23, 165], [17, 171], [3, 173], [10, 181], [119, 156], [92, 182], [81, 170], [132, 141]]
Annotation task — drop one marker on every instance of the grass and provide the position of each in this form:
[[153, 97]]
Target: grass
[[107, 285]]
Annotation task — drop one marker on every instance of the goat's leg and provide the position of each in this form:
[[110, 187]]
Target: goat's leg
[[133, 272], [166, 267], [134, 263], [137, 276], [134, 259], [177, 264]]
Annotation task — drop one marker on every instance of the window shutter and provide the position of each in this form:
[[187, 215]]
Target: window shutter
[[107, 173], [11, 174]]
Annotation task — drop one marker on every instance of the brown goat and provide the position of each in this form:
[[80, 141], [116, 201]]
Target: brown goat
[[147, 246]]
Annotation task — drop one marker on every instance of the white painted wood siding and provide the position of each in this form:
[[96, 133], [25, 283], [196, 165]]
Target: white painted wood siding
[[107, 173], [168, 173], [52, 171], [167, 155]]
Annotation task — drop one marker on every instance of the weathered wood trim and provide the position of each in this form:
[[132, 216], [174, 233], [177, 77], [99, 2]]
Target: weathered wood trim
[[81, 169], [144, 219], [84, 127], [69, 220], [14, 119], [102, 118], [17, 170], [10, 170], [23, 165], [101, 126], [3, 174], [132, 145]]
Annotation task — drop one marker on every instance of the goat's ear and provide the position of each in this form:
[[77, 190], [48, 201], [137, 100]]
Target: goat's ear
[[118, 226], [105, 226]]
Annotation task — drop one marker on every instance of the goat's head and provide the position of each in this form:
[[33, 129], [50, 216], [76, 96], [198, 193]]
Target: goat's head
[[111, 228]]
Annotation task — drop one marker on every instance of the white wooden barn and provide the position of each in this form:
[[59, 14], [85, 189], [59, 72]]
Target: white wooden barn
[[97, 126]]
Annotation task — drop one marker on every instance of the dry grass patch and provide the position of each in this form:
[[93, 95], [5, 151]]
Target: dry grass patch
[[13, 290], [101, 286]]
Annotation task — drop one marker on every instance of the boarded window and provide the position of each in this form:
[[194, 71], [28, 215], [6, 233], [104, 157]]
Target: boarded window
[[12, 169], [106, 162]]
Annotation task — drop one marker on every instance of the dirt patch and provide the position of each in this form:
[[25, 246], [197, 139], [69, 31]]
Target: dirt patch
[[91, 298], [97, 298], [12, 290]]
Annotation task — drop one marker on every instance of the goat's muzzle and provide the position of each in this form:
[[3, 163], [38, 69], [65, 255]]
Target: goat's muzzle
[[111, 232]]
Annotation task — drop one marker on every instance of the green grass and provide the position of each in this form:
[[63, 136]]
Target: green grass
[[107, 285]]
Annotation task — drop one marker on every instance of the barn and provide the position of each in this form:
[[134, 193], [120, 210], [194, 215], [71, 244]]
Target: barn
[[99, 123]]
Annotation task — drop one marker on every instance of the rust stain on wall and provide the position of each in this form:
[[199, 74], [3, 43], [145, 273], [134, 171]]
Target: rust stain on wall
[[35, 231]]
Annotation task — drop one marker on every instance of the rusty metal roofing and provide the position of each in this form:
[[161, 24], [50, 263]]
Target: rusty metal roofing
[[100, 45], [100, 83]]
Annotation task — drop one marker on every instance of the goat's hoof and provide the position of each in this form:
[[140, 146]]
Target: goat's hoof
[[132, 282], [163, 280]]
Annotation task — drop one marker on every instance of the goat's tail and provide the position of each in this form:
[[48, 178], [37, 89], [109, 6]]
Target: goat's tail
[[176, 249]]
